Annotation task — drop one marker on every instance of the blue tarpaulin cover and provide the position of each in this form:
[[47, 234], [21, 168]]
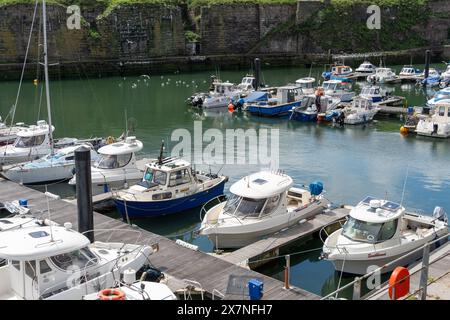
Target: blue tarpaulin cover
[[256, 96]]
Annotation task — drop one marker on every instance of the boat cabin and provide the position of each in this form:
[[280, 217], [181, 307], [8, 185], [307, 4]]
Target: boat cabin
[[306, 83], [258, 195], [408, 71], [335, 85], [169, 173], [384, 71], [288, 94], [41, 259], [341, 70], [442, 113], [247, 83], [225, 88], [33, 136], [310, 100], [119, 154], [366, 66], [362, 103], [373, 221]]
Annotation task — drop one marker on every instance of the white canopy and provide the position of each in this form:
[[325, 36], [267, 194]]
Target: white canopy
[[35, 243], [130, 145], [376, 210], [262, 185], [32, 131]]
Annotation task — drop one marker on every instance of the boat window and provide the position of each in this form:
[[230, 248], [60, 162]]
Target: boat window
[[162, 196], [123, 159], [272, 204], [16, 264], [159, 177], [148, 176], [179, 177], [44, 267], [107, 161], [75, 258], [30, 268], [231, 205], [358, 230], [27, 142], [250, 207], [70, 158], [441, 111], [448, 112], [388, 230]]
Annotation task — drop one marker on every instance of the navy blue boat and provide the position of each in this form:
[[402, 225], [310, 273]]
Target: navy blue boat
[[169, 186]]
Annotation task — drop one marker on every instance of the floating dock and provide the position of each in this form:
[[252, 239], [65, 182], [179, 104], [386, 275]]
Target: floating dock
[[216, 276], [264, 250]]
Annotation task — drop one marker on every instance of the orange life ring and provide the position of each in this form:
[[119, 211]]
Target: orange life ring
[[399, 283], [111, 294]]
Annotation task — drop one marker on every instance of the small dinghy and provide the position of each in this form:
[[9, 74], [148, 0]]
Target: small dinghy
[[379, 231], [261, 204], [169, 186], [59, 166], [115, 166]]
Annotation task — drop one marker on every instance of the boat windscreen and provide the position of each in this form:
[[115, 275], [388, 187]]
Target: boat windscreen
[[367, 200]]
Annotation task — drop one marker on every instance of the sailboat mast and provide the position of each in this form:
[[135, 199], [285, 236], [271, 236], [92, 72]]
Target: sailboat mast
[[47, 85]]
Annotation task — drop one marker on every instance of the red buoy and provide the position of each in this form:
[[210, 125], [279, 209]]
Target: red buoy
[[399, 283]]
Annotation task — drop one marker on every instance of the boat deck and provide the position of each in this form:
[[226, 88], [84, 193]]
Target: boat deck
[[172, 259], [262, 251]]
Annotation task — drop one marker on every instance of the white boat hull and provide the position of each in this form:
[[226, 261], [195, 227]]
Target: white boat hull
[[426, 128], [243, 235], [36, 175]]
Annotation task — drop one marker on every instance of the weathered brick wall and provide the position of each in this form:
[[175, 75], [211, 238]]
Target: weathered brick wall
[[128, 32]]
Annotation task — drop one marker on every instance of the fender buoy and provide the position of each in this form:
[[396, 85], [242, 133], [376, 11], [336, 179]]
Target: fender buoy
[[231, 108], [111, 294], [399, 283], [403, 130]]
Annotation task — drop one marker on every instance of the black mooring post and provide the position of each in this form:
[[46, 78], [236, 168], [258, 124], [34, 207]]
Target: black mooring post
[[257, 73], [427, 64], [84, 192]]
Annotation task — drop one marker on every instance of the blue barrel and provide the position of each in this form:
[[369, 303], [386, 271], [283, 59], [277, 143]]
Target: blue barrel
[[316, 188], [255, 289], [23, 202], [410, 110]]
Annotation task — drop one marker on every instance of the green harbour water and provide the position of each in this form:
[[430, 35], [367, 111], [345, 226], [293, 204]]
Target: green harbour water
[[352, 162]]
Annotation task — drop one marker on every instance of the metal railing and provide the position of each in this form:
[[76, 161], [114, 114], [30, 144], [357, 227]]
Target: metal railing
[[358, 280]]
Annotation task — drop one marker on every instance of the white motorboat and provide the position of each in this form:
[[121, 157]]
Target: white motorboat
[[116, 166], [438, 124], [361, 111], [58, 263], [31, 143], [375, 93], [366, 68], [260, 204], [8, 134], [446, 74], [378, 232], [409, 72], [314, 107], [383, 75], [338, 89], [306, 84], [52, 167], [432, 73], [439, 96]]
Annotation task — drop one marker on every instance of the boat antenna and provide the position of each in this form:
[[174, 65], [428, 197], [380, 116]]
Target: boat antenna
[[310, 69], [47, 86], [161, 153], [126, 124], [404, 185]]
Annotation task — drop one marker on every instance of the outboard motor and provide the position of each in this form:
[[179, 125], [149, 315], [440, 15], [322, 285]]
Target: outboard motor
[[440, 214]]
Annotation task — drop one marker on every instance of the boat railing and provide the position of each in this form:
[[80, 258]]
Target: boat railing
[[113, 232], [203, 210], [356, 283]]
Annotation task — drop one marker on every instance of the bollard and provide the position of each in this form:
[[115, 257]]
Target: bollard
[[424, 273], [287, 272], [427, 65], [84, 192], [257, 73], [357, 289]]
